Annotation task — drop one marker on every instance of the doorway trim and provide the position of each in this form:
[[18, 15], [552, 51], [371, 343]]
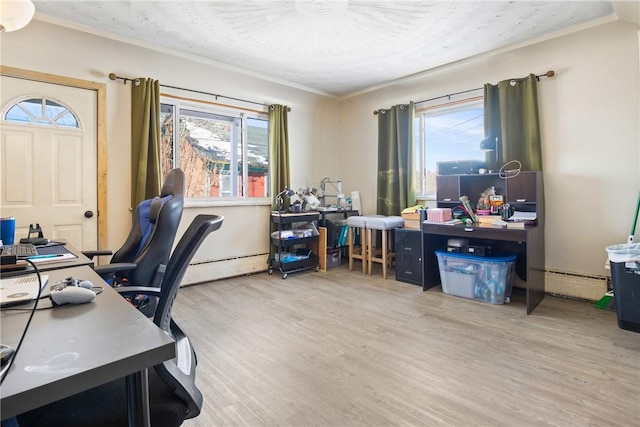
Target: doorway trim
[[101, 149]]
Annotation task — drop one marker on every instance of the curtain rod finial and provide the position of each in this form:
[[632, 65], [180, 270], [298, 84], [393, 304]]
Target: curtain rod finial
[[112, 76], [550, 73]]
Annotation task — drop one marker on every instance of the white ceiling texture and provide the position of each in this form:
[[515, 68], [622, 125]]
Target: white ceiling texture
[[333, 47]]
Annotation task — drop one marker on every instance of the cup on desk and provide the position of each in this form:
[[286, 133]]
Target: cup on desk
[[7, 230]]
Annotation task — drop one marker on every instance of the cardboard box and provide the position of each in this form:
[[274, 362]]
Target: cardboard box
[[411, 216], [412, 223], [412, 220]]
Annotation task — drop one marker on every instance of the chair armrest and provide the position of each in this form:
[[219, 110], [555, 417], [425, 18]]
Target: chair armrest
[[92, 254], [144, 290], [104, 270]]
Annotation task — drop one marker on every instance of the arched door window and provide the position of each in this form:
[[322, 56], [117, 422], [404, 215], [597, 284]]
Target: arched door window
[[41, 111]]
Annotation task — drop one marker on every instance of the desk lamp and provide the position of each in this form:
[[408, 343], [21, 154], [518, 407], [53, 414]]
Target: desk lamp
[[279, 200]]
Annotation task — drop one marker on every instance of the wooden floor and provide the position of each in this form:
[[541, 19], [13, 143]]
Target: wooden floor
[[345, 349]]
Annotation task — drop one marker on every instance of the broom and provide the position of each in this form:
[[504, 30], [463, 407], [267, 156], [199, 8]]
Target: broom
[[607, 301]]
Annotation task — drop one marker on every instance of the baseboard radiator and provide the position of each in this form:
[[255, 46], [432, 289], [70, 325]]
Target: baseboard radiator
[[575, 285], [563, 283], [207, 271]]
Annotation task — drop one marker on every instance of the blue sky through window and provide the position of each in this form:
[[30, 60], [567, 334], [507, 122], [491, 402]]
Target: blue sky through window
[[453, 135]]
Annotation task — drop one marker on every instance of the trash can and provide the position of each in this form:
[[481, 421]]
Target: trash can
[[624, 261]]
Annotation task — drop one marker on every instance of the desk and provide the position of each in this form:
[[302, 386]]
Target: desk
[[79, 261], [72, 348], [527, 244]]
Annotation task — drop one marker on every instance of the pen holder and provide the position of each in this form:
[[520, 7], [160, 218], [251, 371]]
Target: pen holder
[[506, 211]]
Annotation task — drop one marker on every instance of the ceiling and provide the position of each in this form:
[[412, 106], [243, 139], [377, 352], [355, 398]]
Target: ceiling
[[335, 47]]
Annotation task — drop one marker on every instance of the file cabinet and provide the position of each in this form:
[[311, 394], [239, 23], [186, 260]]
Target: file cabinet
[[408, 247]]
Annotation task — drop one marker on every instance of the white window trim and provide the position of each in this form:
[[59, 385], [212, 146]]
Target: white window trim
[[232, 112]]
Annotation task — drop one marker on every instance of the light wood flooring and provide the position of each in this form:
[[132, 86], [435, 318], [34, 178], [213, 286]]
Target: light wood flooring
[[346, 349]]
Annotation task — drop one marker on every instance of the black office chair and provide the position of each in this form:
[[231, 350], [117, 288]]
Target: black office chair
[[174, 396], [143, 256]]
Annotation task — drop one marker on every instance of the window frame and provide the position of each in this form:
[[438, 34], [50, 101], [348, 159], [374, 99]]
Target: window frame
[[44, 120], [420, 161], [224, 112]]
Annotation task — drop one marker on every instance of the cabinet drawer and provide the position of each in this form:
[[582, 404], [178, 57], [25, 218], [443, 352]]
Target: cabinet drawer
[[448, 189], [522, 188]]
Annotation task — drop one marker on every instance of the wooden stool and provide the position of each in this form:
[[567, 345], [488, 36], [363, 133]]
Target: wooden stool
[[357, 223], [386, 225]]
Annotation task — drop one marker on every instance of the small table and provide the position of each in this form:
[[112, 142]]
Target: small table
[[72, 348]]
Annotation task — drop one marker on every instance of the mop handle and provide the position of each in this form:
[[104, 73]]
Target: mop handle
[[635, 220]]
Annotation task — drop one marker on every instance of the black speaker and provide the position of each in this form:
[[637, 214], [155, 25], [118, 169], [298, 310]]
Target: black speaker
[[408, 247]]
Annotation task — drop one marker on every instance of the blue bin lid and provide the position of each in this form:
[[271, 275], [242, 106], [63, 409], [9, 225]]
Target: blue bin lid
[[490, 258]]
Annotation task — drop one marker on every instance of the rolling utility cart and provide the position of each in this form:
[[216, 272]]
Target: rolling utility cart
[[292, 237]]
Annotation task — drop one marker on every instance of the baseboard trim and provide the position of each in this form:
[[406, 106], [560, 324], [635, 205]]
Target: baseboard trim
[[575, 285], [225, 268]]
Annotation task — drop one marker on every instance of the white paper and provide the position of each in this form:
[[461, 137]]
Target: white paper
[[523, 216]]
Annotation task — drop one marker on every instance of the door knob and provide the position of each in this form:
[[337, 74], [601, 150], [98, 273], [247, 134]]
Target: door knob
[[88, 214]]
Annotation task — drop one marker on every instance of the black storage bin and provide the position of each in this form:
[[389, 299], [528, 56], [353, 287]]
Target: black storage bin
[[626, 296]]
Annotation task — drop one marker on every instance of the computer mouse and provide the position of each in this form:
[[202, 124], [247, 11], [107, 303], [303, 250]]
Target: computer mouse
[[72, 295], [6, 353]]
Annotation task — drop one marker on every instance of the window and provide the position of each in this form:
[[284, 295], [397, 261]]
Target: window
[[41, 111], [224, 153], [446, 133]]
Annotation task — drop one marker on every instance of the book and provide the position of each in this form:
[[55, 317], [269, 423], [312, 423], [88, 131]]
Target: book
[[520, 225], [487, 219], [523, 216], [52, 258]]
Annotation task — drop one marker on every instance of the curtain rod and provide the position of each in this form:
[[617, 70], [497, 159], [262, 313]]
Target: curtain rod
[[113, 76], [549, 73]]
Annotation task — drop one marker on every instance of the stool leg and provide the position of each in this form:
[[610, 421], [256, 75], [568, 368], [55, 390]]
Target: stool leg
[[384, 253], [350, 240], [364, 249], [369, 250]]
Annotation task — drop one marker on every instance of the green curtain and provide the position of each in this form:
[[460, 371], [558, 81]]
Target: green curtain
[[511, 116], [396, 186], [279, 151], [146, 172]]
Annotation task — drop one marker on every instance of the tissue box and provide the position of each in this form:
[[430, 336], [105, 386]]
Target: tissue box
[[438, 214]]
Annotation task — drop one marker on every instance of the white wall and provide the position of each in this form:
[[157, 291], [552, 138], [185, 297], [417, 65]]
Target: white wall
[[589, 116], [590, 119], [52, 49]]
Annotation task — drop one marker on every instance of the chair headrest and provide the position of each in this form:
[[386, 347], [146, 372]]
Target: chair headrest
[[148, 212], [173, 183], [155, 206]]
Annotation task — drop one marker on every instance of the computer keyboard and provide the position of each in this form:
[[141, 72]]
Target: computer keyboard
[[20, 250], [10, 253]]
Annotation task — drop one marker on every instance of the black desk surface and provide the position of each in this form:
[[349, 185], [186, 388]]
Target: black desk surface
[[80, 260], [71, 348]]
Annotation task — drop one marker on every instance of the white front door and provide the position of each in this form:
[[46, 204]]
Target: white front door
[[48, 160]]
